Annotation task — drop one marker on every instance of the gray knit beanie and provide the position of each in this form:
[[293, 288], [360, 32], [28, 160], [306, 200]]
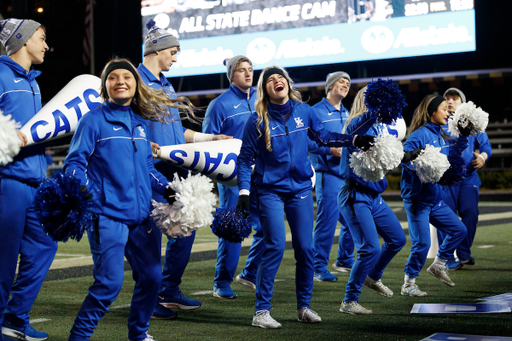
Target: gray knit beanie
[[14, 33], [461, 94], [333, 78], [158, 39], [230, 65]]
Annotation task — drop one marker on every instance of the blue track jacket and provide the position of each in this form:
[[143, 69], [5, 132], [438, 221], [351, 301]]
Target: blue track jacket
[[115, 159], [287, 167], [363, 125], [412, 187], [333, 120], [228, 113], [169, 134], [20, 97]]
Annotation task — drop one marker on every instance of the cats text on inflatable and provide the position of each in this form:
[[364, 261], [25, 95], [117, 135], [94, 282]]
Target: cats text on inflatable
[[59, 117], [215, 159]]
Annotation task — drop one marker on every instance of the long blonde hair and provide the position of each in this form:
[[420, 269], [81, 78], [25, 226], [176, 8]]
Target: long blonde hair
[[263, 100], [421, 117], [149, 103], [358, 107]]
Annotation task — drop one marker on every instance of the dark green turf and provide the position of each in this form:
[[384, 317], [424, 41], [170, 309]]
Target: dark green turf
[[219, 319]]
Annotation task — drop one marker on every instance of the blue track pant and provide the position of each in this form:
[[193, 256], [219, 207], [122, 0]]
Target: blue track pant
[[327, 217], [419, 214], [227, 253], [21, 234], [177, 254], [299, 212], [110, 243], [369, 216], [463, 198], [257, 249]]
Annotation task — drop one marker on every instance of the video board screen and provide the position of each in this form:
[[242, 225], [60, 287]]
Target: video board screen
[[293, 33]]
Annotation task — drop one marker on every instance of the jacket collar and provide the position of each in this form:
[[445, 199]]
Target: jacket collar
[[30, 75], [433, 128], [331, 107], [241, 94], [111, 117], [151, 77], [277, 116]]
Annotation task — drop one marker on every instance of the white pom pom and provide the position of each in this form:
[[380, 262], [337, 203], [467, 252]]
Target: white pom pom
[[9, 140], [468, 112], [192, 209], [383, 156], [431, 164]]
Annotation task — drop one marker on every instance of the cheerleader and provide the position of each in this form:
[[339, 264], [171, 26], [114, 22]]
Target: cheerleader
[[367, 216], [275, 141], [111, 154], [423, 201]]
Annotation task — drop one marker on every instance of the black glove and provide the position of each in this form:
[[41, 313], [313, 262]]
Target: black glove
[[243, 205], [84, 189], [465, 131], [170, 195], [411, 155], [364, 142]]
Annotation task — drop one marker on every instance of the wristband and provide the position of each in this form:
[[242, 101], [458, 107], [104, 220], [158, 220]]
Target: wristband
[[354, 141], [483, 157], [244, 192], [200, 137]]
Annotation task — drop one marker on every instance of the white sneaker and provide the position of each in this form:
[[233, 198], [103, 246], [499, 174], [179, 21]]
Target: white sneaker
[[412, 290], [307, 315], [245, 282], [148, 338], [378, 287], [340, 268], [441, 273], [263, 320], [354, 308]]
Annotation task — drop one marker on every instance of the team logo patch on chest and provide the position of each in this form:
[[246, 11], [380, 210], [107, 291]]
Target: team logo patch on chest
[[299, 122], [142, 132]]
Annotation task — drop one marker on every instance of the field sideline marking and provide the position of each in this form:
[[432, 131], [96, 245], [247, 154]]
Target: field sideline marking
[[87, 260]]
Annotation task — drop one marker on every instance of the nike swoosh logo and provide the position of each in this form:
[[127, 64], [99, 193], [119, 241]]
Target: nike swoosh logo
[[236, 106], [116, 129], [151, 83], [304, 197], [331, 113], [17, 80], [274, 127]]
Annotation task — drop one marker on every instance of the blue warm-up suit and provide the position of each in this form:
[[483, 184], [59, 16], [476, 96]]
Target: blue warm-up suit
[[111, 154], [282, 184], [327, 185], [178, 250], [228, 114], [367, 216], [462, 197], [22, 235], [424, 203], [257, 249]]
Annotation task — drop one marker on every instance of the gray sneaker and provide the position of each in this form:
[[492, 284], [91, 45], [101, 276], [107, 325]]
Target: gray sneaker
[[441, 273], [378, 287], [307, 315], [354, 308], [412, 290], [263, 320]]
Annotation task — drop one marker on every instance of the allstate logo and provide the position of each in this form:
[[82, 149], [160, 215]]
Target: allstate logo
[[261, 50], [377, 39]]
